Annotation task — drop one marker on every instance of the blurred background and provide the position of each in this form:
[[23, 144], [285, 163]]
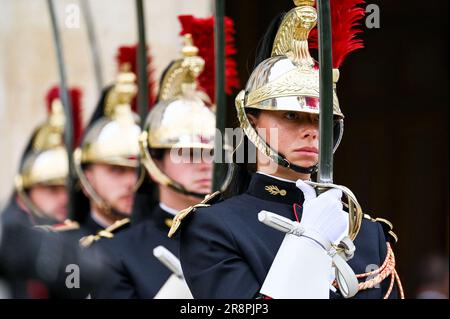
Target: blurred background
[[394, 94]]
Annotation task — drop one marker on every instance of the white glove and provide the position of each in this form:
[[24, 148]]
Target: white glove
[[324, 213], [302, 266], [300, 270]]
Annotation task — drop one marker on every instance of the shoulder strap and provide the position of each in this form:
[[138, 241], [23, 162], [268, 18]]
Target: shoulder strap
[[208, 201], [387, 227], [108, 232]]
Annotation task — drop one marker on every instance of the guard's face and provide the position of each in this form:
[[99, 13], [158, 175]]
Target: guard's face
[[52, 200], [115, 184], [298, 134], [190, 167]]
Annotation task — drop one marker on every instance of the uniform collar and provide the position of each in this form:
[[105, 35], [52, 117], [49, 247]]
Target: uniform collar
[[168, 209], [33, 220], [98, 221], [162, 216], [91, 225], [274, 189]]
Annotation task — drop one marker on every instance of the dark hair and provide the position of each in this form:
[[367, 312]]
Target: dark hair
[[157, 153], [81, 204], [28, 148], [145, 199], [164, 72], [99, 110], [147, 195], [264, 48], [243, 171]]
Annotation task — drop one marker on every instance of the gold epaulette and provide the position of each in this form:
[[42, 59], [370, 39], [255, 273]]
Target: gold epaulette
[[65, 226], [387, 227], [108, 232], [209, 199]]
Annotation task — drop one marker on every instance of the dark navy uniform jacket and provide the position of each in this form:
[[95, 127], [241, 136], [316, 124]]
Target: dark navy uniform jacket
[[13, 214], [88, 227], [226, 252], [134, 271], [34, 262]]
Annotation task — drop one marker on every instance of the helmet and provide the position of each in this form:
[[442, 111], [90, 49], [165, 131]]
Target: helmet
[[288, 80], [112, 137], [184, 116], [45, 161]]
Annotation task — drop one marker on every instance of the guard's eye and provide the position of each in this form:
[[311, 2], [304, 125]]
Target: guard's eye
[[291, 116], [116, 169]]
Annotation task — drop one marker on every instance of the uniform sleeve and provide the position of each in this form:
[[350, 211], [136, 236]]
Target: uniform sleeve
[[211, 261], [117, 284], [383, 253], [31, 254]]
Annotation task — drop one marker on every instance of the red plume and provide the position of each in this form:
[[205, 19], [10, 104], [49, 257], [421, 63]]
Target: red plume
[[75, 94], [345, 22], [202, 31], [128, 54]]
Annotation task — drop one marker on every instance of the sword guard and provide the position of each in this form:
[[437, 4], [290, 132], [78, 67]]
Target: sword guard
[[350, 202]]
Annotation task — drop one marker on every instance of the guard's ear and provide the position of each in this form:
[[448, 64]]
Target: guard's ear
[[88, 172], [252, 119], [161, 160]]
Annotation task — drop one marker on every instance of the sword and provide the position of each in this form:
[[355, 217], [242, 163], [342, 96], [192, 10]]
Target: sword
[[325, 173], [93, 44], [68, 129], [169, 260], [219, 37], [142, 63]]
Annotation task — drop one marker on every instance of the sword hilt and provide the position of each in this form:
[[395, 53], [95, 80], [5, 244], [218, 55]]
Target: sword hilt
[[169, 260], [276, 221], [354, 208]]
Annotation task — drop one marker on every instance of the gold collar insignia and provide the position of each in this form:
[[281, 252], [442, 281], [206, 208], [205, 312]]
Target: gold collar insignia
[[274, 190]]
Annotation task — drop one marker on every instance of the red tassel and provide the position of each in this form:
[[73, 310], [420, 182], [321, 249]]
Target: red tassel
[[75, 95], [202, 31], [128, 54], [345, 24]]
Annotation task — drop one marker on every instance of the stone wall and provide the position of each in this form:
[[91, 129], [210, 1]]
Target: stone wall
[[28, 66]]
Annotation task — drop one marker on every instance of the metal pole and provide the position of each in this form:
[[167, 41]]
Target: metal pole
[[219, 37], [93, 44], [142, 63], [64, 96], [325, 173]]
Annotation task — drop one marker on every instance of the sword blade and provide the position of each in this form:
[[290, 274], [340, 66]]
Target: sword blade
[[93, 45], [64, 96], [325, 173], [142, 63], [221, 111]]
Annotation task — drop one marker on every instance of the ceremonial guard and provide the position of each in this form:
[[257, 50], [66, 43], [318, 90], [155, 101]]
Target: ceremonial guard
[[40, 195], [40, 201], [106, 163], [179, 131], [278, 235]]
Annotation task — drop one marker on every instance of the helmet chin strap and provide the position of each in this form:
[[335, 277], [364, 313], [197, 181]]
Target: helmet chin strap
[[296, 168], [164, 179], [34, 210], [115, 213], [266, 149], [92, 194]]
